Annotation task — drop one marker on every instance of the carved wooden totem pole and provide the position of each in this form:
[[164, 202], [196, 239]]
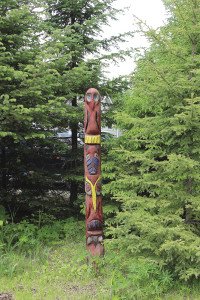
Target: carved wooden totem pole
[[92, 165]]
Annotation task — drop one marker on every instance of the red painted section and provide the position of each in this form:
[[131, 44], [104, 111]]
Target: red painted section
[[92, 167], [92, 121]]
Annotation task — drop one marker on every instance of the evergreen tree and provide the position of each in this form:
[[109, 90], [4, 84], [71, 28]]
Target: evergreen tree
[[29, 110], [44, 72], [75, 26], [154, 165]]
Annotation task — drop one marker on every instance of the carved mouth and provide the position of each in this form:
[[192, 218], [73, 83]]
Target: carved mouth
[[94, 225]]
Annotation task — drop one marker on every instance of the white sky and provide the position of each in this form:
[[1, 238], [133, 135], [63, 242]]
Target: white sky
[[151, 11]]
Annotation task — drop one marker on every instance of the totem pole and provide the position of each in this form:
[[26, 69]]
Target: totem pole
[[92, 165]]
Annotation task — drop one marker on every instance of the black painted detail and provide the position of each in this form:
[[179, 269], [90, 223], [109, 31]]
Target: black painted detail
[[94, 225]]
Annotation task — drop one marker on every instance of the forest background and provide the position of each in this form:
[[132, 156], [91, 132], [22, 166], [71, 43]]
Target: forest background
[[51, 53]]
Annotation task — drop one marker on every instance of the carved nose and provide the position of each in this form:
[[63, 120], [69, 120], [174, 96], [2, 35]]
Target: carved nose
[[92, 104]]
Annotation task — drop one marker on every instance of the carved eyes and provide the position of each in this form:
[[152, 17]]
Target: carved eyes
[[96, 97], [89, 97]]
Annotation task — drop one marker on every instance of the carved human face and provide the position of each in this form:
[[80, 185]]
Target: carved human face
[[92, 98]]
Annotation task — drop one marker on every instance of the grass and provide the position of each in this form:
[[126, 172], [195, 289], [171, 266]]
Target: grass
[[60, 271], [61, 275]]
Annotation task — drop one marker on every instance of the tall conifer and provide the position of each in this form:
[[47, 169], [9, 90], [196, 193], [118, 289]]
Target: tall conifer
[[155, 165], [76, 27], [29, 109]]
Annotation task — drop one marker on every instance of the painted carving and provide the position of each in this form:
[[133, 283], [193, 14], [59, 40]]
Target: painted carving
[[92, 159], [92, 165]]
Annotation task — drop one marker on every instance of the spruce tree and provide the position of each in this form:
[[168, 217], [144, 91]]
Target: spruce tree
[[154, 165], [29, 110], [44, 71], [76, 26]]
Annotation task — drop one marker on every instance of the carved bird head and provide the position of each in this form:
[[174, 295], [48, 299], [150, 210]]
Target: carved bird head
[[92, 98]]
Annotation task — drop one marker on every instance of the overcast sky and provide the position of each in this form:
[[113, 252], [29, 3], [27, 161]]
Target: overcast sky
[[152, 11]]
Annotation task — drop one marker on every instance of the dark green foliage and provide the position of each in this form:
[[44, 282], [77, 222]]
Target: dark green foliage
[[44, 74], [75, 27], [154, 165], [29, 111]]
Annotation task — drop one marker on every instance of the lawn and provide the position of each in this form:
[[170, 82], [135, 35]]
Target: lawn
[[63, 270]]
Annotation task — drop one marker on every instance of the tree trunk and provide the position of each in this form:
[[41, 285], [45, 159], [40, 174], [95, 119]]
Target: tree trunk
[[3, 168], [74, 146]]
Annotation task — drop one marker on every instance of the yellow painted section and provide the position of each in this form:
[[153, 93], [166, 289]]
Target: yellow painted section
[[92, 139], [94, 196]]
